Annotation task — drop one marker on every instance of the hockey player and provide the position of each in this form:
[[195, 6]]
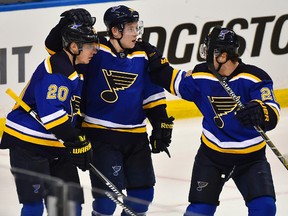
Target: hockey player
[[230, 146], [118, 95], [54, 93]]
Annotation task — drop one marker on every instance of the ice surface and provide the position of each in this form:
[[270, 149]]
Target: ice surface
[[173, 176]]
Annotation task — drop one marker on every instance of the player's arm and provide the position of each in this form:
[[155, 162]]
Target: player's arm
[[65, 131], [54, 100], [262, 110], [161, 72], [79, 147], [53, 42]]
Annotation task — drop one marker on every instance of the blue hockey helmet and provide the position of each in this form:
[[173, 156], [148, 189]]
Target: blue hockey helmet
[[118, 16], [227, 41], [79, 34]]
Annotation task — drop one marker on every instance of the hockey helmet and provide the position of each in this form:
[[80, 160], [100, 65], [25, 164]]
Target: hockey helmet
[[79, 34], [118, 16], [227, 41]]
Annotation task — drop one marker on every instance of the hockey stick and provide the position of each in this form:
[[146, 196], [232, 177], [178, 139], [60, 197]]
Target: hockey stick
[[210, 62], [93, 169], [114, 189]]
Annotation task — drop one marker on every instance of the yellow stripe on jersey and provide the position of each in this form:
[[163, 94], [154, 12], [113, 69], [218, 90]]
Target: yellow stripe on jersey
[[73, 76], [246, 76], [128, 130], [34, 140], [56, 122], [204, 75], [137, 54], [231, 150], [107, 49], [174, 75], [154, 104], [131, 55], [47, 64], [51, 52]]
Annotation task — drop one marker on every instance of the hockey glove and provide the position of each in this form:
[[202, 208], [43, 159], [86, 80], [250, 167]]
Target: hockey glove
[[255, 113], [152, 52], [80, 152], [78, 16], [156, 60], [160, 138]]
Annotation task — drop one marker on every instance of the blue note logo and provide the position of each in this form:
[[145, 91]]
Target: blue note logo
[[116, 170], [201, 185], [36, 188]]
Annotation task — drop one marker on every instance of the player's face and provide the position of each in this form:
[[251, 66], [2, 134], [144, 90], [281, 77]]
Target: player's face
[[88, 50], [130, 34]]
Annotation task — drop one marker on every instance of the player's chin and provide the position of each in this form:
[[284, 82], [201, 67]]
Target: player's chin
[[86, 61]]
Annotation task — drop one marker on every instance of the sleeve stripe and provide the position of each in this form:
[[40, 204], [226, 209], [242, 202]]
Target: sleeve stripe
[[176, 81], [57, 122], [154, 97], [53, 116], [154, 104]]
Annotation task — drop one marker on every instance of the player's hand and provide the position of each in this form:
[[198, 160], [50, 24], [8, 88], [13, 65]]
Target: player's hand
[[160, 138], [81, 152], [156, 61], [78, 16], [152, 52], [252, 114]]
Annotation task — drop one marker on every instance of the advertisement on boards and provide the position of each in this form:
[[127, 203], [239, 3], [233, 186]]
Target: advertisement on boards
[[177, 28]]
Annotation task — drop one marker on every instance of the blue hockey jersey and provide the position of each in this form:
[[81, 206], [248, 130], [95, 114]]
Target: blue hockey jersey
[[54, 93], [118, 90], [222, 132]]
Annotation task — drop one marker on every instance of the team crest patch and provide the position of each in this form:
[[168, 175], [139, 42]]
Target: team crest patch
[[201, 185], [36, 188], [116, 170], [116, 81], [221, 106]]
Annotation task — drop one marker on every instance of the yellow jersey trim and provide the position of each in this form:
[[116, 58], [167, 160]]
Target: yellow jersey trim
[[34, 140], [231, 150]]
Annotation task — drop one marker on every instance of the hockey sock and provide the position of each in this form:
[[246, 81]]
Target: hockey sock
[[78, 209], [146, 195], [103, 206], [200, 209], [32, 209], [262, 206]]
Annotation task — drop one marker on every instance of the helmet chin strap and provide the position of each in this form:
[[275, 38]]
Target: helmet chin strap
[[119, 42], [74, 55], [124, 53], [220, 64]]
